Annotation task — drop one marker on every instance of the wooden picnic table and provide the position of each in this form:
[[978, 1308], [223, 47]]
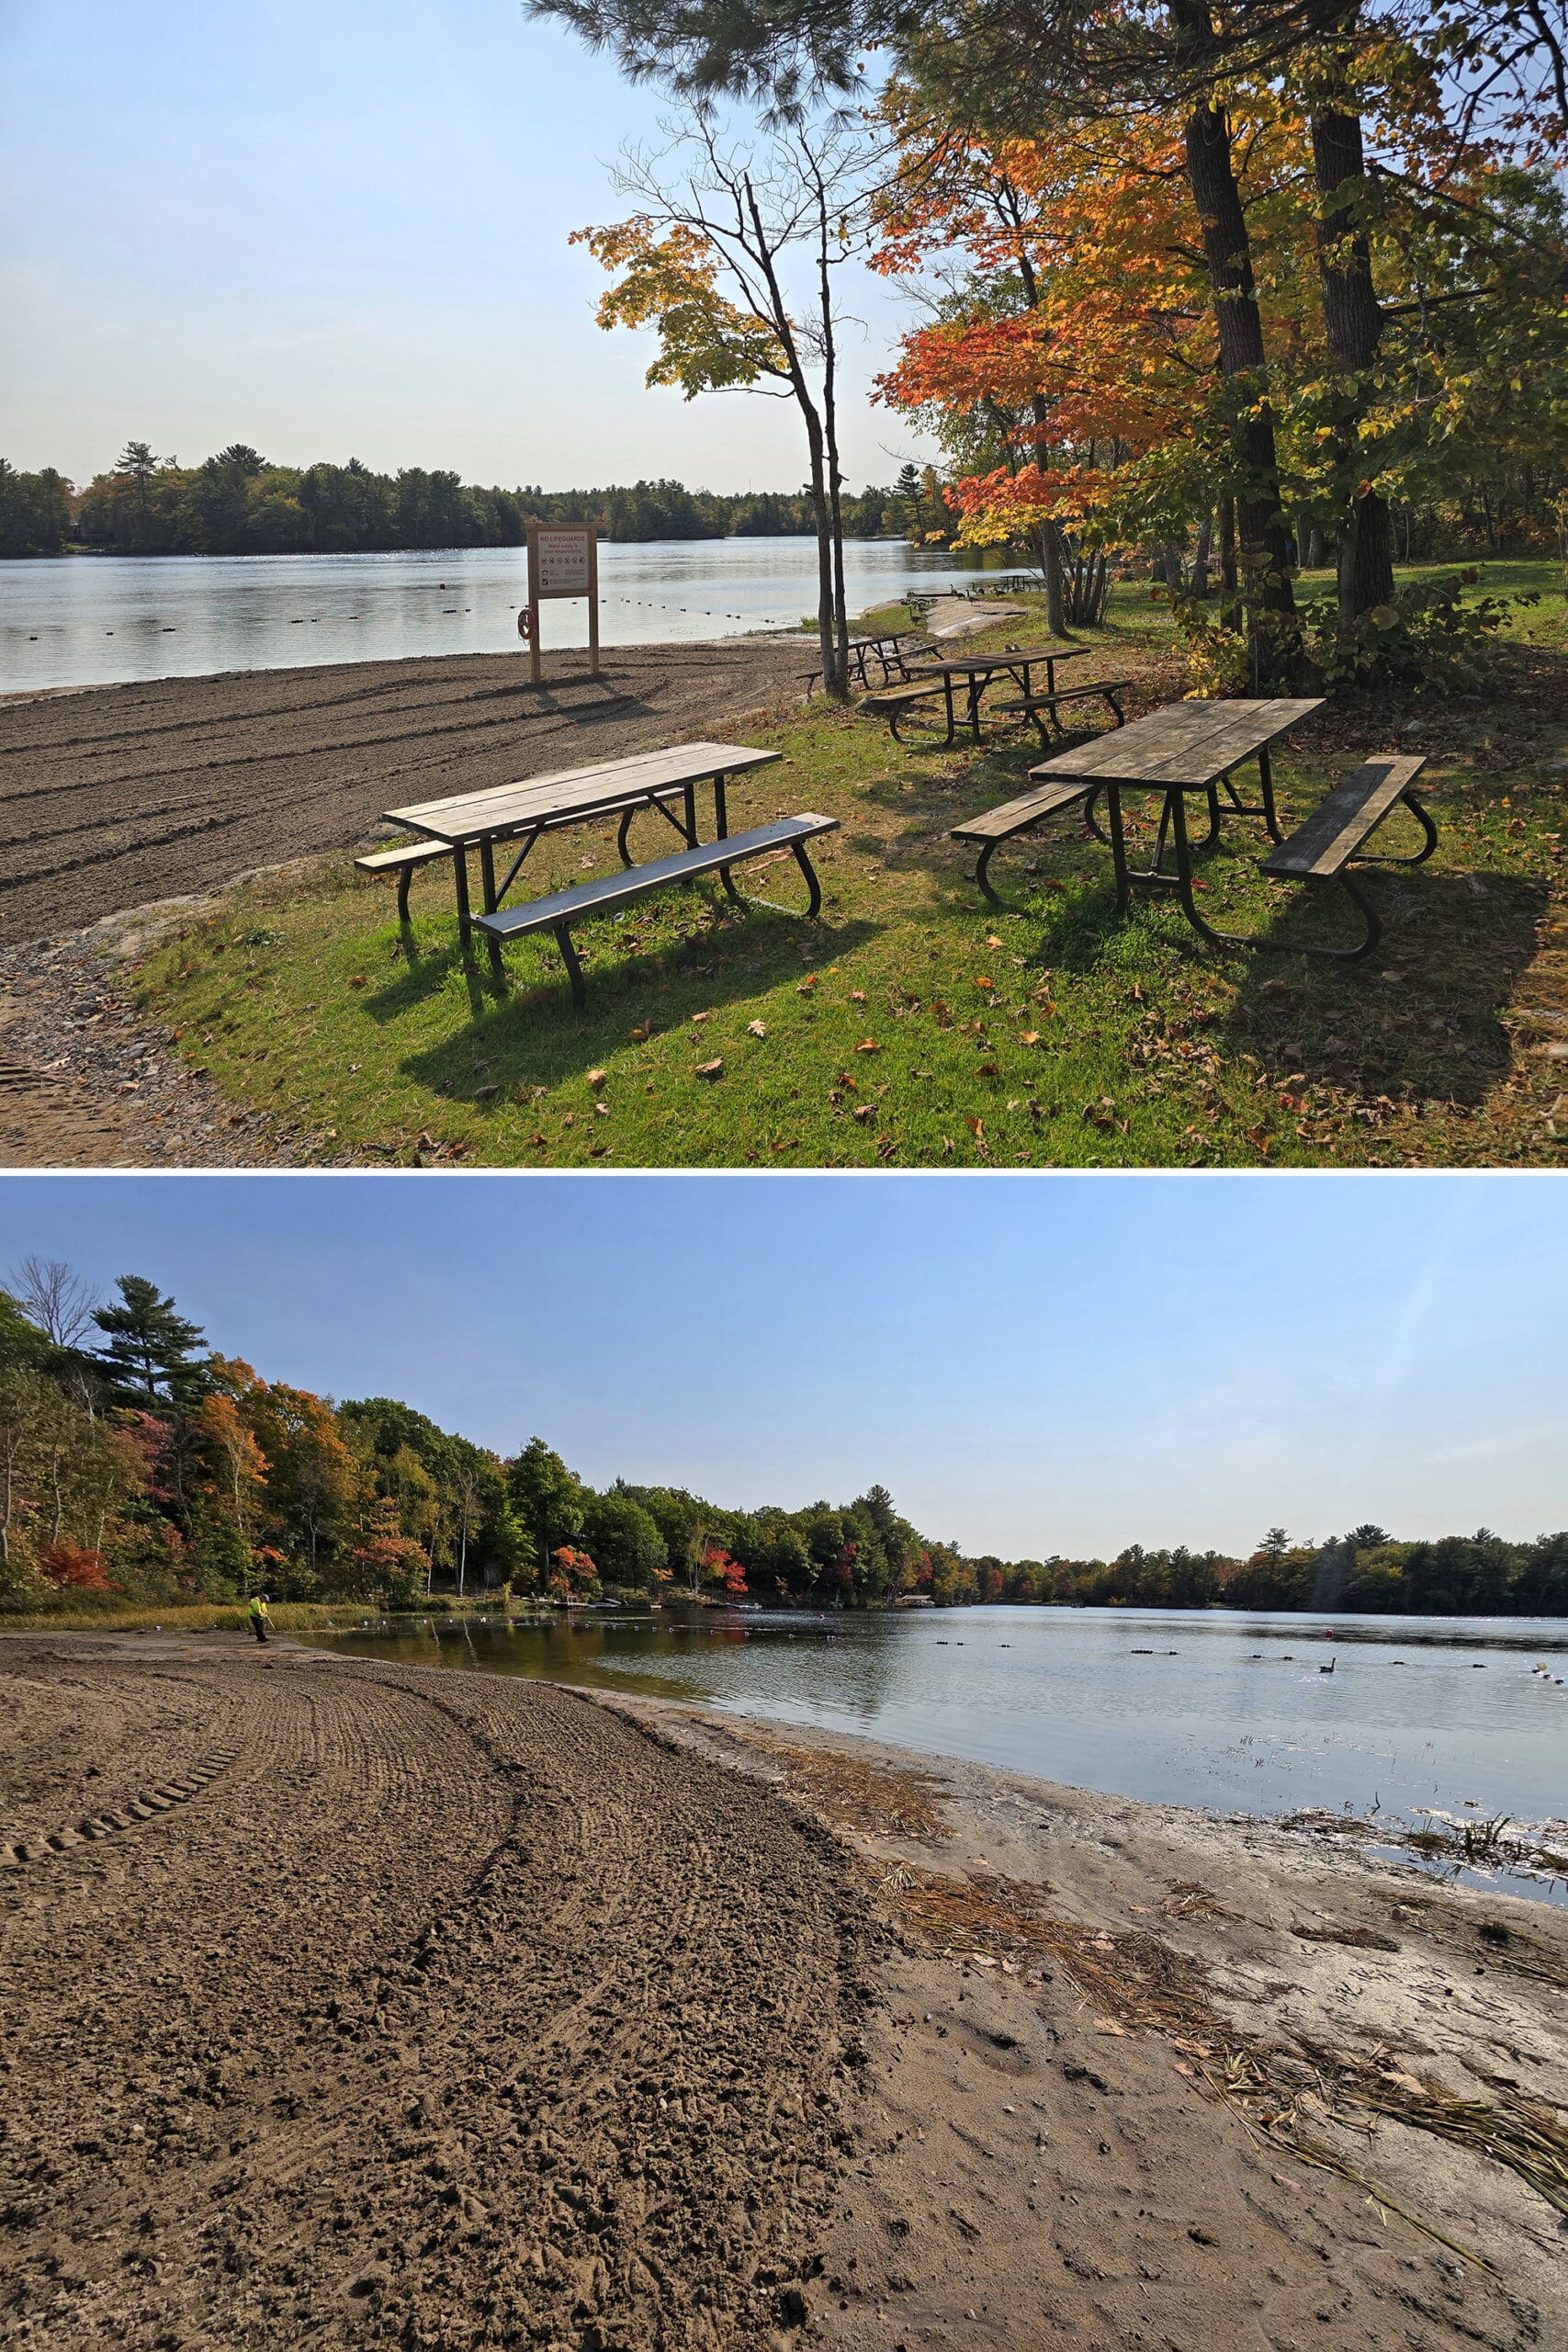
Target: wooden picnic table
[[1182, 748], [521, 812], [885, 647], [977, 669]]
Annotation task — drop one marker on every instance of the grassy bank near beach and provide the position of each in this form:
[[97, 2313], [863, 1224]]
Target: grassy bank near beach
[[913, 1026]]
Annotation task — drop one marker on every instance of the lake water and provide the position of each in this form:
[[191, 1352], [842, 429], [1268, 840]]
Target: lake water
[[90, 620], [1230, 1713]]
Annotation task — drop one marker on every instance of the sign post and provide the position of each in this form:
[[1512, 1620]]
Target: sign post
[[563, 560]]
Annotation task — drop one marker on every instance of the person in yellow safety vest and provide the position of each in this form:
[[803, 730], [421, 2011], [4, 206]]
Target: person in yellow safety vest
[[259, 1619]]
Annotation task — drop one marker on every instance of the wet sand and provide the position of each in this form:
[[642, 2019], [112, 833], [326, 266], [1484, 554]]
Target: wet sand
[[117, 796], [370, 2004]]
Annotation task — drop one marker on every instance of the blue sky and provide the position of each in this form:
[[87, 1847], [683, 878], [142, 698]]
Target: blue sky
[[343, 230], [1031, 1366]]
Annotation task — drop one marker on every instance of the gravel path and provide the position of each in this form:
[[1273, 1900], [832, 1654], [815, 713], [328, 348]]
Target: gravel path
[[357, 2004], [124, 795]]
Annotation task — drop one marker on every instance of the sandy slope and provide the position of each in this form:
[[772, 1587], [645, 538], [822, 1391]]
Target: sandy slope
[[435, 2008]]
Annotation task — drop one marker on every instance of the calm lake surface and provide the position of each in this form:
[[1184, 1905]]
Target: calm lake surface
[[90, 620], [1228, 1714]]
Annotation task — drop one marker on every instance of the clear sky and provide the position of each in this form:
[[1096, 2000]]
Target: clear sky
[[341, 229], [1031, 1365]]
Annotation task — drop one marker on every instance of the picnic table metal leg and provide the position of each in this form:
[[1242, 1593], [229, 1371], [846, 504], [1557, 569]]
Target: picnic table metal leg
[[721, 824], [691, 798], [1118, 845], [487, 874], [460, 879], [1407, 801], [573, 968], [622, 835], [1266, 776], [815, 908], [515, 869]]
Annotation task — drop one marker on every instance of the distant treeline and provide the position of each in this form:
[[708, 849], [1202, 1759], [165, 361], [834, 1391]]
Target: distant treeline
[[239, 504], [136, 1461]]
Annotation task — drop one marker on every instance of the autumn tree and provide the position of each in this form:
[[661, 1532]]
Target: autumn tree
[[707, 261]]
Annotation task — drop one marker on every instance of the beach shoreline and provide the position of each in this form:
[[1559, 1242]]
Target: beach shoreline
[[915, 2052]]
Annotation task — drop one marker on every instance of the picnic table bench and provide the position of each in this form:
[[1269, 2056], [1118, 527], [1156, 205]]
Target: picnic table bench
[[557, 912], [521, 813]]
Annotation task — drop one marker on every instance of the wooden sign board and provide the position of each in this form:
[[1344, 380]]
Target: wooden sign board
[[563, 560]]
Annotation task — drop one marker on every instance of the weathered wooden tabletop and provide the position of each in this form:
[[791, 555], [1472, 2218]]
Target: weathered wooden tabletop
[[510, 808], [1015, 657], [1183, 746]]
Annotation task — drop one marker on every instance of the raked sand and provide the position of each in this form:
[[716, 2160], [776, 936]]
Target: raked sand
[[361, 2003], [119, 796]]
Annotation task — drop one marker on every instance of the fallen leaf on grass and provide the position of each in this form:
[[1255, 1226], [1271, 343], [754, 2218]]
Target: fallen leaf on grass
[[597, 1077], [984, 982], [486, 1093], [710, 1069], [1030, 1038], [539, 1142], [756, 1028], [992, 941], [642, 1032], [701, 1016], [988, 1069], [863, 1111], [569, 1118], [359, 981], [868, 1046], [976, 1128], [603, 1108], [1260, 1140], [804, 987], [857, 996]]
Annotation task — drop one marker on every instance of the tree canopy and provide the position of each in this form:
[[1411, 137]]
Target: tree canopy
[[158, 1469]]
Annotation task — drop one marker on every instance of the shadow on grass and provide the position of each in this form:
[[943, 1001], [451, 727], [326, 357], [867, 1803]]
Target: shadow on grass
[[527, 1031], [1420, 1015]]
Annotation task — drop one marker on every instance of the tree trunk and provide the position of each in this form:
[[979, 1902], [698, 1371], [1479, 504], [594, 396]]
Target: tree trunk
[[835, 480], [1201, 554], [1228, 583], [1352, 327], [1266, 548], [1050, 538]]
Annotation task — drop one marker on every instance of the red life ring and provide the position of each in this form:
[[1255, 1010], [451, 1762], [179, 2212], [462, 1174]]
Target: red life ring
[[526, 621]]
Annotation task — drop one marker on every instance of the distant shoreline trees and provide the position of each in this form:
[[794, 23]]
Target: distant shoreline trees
[[145, 1466], [239, 502]]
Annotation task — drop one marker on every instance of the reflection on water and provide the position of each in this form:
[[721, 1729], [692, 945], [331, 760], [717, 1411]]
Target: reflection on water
[[1233, 1714], [84, 620]]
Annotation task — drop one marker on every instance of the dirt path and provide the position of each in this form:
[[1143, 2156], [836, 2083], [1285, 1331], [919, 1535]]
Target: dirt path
[[400, 2005], [125, 794]]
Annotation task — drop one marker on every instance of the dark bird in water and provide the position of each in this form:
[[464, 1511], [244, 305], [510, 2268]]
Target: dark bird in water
[[1329, 1668]]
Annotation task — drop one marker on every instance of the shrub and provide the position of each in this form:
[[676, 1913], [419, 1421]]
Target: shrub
[[1426, 634]]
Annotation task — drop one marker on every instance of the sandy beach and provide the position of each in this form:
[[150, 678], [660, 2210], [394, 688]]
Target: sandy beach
[[352, 2003]]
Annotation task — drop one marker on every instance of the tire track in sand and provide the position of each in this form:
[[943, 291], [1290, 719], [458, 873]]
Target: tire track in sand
[[474, 2016]]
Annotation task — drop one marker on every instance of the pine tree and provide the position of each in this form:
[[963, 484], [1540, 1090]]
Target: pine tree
[[151, 1357]]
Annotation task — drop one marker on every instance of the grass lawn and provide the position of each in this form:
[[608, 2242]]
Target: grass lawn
[[911, 1027]]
